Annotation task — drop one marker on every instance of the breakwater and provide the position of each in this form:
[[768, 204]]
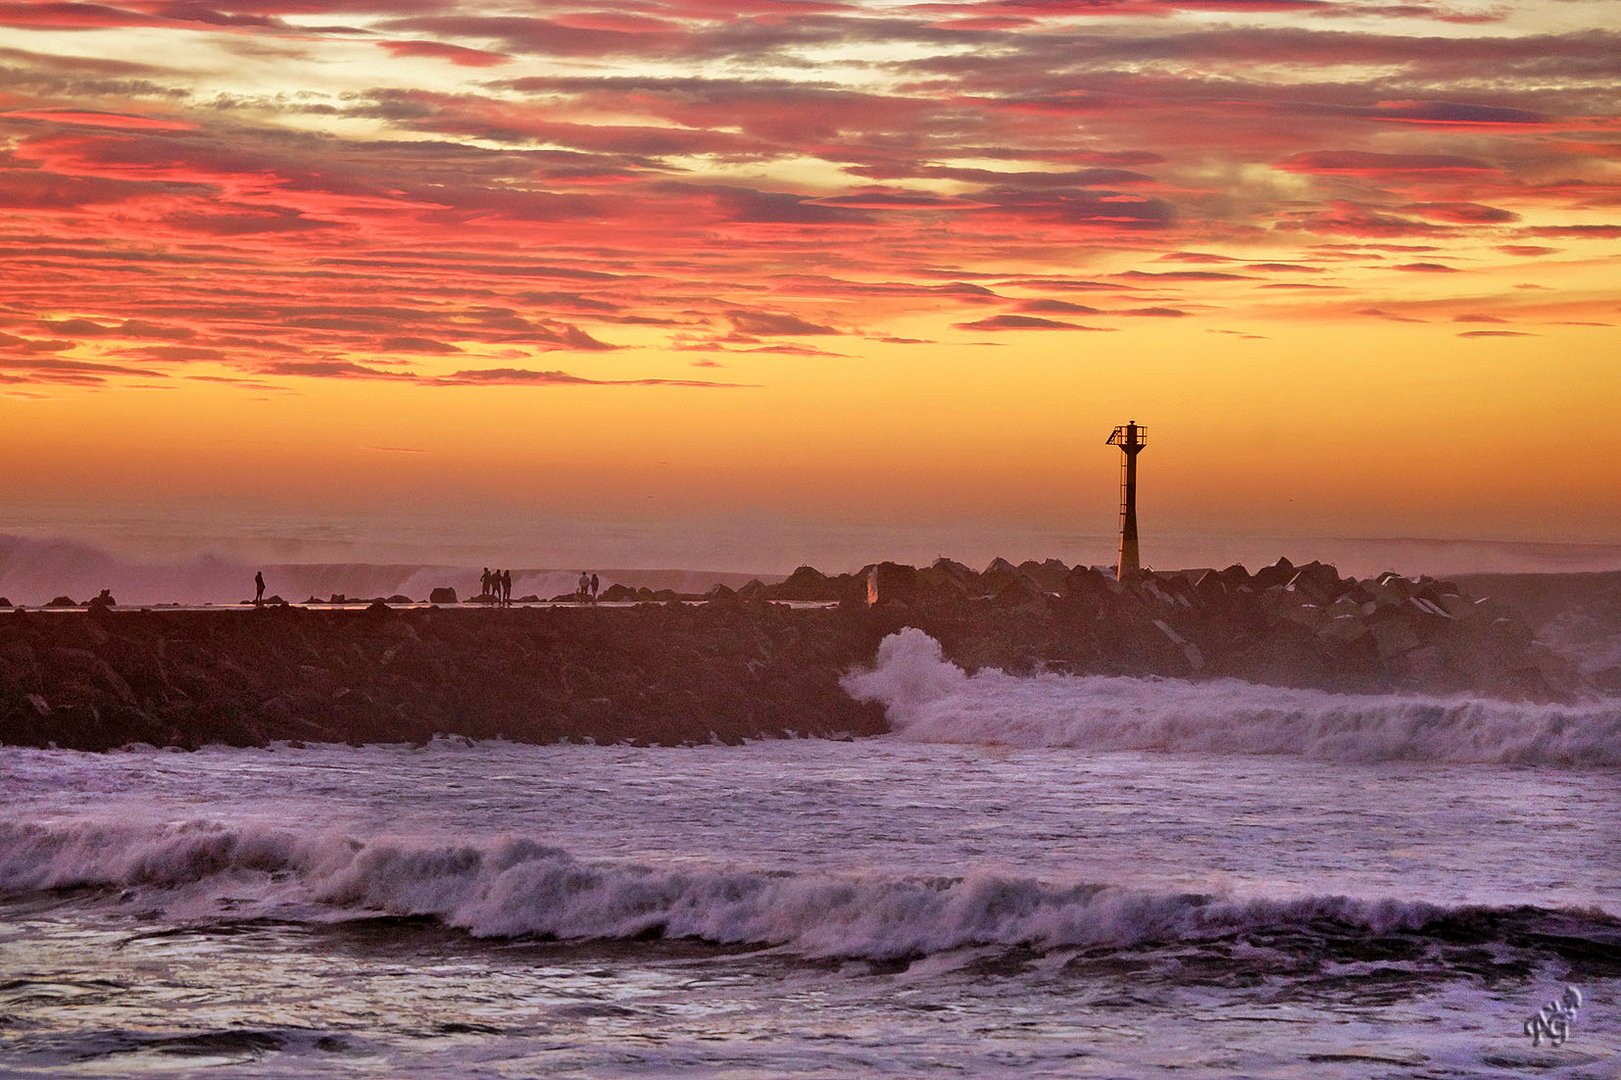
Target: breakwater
[[739, 665]]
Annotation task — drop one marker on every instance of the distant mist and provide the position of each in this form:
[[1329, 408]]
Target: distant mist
[[33, 572], [193, 562]]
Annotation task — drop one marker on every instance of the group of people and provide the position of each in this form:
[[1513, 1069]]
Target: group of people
[[497, 583]]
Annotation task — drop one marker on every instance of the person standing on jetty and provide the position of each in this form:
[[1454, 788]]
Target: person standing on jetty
[[506, 588], [593, 586], [582, 589], [258, 588]]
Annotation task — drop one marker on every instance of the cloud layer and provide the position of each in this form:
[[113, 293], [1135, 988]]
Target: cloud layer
[[449, 194]]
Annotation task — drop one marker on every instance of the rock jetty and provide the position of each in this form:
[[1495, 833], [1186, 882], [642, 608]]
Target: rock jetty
[[743, 664]]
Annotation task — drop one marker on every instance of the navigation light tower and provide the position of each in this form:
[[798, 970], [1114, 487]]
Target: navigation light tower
[[1131, 438]]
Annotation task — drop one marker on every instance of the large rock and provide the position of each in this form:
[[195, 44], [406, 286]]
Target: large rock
[[1275, 576], [442, 595], [1394, 636], [892, 583], [1316, 582]]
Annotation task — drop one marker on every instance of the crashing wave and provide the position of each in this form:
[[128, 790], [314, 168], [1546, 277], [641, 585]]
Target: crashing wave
[[929, 699], [521, 888]]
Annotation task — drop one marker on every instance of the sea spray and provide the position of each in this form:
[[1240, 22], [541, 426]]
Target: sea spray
[[929, 699], [517, 887]]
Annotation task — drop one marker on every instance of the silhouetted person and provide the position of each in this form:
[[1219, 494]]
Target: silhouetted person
[[258, 587], [506, 587], [593, 587], [582, 588], [484, 588]]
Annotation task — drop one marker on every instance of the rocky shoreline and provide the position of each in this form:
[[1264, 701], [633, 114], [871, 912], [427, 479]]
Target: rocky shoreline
[[740, 665]]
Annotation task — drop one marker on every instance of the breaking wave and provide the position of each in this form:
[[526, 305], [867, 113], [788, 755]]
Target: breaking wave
[[520, 888], [929, 699]]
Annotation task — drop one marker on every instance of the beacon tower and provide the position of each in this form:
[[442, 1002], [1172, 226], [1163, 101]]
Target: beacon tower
[[1131, 438]]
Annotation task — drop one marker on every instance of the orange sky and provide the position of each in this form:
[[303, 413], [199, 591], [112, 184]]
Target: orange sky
[[881, 271]]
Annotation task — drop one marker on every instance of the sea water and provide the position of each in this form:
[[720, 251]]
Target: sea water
[[1046, 876]]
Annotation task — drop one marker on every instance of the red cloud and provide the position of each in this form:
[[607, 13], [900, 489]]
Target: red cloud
[[1455, 114], [1464, 213], [1353, 219], [94, 118], [1058, 307], [775, 323], [1364, 163], [1022, 322], [439, 50]]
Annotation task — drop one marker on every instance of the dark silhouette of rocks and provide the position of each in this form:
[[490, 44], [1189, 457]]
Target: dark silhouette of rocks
[[664, 673], [738, 666], [443, 595], [1284, 625]]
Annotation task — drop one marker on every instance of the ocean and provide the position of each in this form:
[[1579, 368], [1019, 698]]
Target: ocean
[[1045, 876]]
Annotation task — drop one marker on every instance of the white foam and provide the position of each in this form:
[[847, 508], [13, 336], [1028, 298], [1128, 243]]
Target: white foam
[[929, 699], [518, 887]]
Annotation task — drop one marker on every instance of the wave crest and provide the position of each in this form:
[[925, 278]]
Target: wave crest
[[929, 699], [518, 887]]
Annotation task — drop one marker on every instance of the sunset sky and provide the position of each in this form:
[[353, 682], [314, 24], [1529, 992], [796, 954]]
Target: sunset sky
[[758, 282]]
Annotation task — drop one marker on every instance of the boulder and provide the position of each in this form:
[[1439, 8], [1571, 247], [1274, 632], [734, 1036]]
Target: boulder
[[442, 595], [400, 598], [1317, 583], [1049, 575], [805, 583], [891, 583], [62, 601], [80, 633], [1275, 576], [617, 593], [1392, 637], [1344, 628]]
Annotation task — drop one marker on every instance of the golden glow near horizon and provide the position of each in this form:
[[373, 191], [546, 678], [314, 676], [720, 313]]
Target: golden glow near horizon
[[849, 263]]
